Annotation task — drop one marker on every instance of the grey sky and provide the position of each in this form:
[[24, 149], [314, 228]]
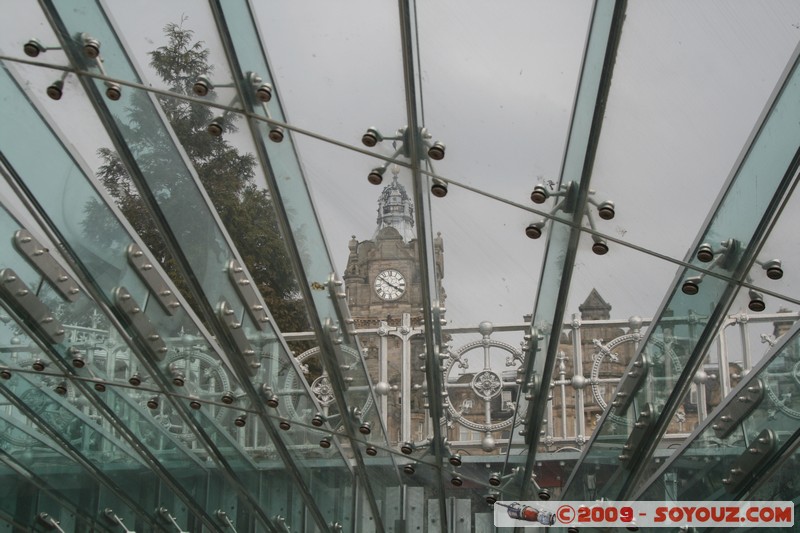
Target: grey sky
[[498, 83]]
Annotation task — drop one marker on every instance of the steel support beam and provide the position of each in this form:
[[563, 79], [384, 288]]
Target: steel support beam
[[431, 303]]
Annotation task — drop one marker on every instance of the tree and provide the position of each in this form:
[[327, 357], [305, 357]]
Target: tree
[[226, 174]]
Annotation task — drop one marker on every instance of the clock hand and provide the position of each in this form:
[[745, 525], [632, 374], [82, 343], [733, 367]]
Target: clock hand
[[393, 286]]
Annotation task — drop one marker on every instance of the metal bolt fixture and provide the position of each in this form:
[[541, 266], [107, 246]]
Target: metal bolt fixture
[[271, 399], [599, 247], [264, 92], [365, 428], [56, 90], [409, 469], [534, 230], [436, 151], [705, 253], [178, 377], [91, 46], [756, 301], [773, 268], [407, 448], [152, 403], [215, 126], [375, 176], [284, 425], [113, 91], [371, 138], [194, 403], [568, 193], [539, 194], [78, 361], [456, 481], [455, 459], [240, 421], [228, 398], [135, 379], [39, 365], [692, 285], [318, 420], [33, 48], [606, 210], [202, 86], [439, 188], [371, 451], [276, 134]]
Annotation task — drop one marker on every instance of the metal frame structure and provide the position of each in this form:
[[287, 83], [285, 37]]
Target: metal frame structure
[[730, 412], [735, 262], [177, 248], [430, 297], [338, 454], [562, 244]]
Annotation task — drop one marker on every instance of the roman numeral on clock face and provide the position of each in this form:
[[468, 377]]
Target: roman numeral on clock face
[[390, 284]]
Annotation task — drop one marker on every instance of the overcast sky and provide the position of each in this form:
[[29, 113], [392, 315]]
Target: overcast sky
[[498, 85]]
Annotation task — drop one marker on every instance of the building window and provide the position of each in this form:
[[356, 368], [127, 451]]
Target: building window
[[465, 434]]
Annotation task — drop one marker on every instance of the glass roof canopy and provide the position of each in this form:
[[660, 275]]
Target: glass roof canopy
[[181, 184]]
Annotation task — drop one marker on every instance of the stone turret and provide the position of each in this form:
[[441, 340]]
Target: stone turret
[[396, 210], [595, 307]]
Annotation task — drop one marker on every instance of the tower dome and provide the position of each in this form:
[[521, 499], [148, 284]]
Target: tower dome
[[396, 210]]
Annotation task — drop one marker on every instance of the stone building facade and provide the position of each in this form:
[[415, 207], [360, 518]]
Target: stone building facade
[[384, 294], [383, 287]]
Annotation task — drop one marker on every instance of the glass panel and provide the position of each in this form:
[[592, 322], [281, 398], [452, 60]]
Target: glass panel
[[513, 137], [104, 257], [665, 182], [703, 465], [780, 486], [690, 80], [172, 48], [735, 227], [553, 288], [63, 494], [296, 202], [356, 79], [186, 210], [85, 440], [321, 284]]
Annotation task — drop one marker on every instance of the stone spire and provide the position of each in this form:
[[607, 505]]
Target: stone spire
[[595, 307], [396, 210]]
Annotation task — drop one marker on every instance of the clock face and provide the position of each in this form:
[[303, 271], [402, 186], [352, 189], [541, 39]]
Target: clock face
[[390, 285]]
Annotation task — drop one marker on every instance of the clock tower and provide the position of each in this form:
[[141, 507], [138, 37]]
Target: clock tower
[[383, 288], [382, 275]]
